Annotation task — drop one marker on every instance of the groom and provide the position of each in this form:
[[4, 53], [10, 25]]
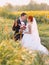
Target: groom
[[18, 23]]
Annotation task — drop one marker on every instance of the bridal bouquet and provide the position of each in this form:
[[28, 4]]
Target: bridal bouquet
[[23, 27]]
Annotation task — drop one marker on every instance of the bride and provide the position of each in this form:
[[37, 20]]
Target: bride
[[31, 39]]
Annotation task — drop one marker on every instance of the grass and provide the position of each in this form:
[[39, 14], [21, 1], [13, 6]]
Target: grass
[[11, 53], [44, 34]]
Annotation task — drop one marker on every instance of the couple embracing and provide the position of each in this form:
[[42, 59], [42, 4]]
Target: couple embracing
[[27, 32]]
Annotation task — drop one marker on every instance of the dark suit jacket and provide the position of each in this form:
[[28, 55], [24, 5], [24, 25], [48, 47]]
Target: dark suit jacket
[[16, 29]]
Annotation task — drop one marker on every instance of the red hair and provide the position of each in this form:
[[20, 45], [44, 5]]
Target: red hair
[[31, 18]]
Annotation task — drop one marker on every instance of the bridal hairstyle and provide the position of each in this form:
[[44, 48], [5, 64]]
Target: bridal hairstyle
[[30, 18]]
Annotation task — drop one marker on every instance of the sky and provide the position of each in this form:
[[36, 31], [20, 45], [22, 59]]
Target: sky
[[21, 2]]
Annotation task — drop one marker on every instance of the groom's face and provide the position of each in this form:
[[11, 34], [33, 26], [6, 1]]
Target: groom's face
[[24, 17]]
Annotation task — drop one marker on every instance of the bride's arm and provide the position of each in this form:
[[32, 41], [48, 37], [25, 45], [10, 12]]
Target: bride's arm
[[29, 31]]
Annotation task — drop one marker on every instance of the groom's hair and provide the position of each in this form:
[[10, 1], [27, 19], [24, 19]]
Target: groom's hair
[[23, 14]]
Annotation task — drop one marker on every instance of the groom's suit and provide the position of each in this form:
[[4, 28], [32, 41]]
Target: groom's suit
[[16, 29]]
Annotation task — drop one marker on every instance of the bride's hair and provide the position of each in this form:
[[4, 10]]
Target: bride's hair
[[30, 18]]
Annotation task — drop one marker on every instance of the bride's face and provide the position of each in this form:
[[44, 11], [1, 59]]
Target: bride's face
[[30, 19]]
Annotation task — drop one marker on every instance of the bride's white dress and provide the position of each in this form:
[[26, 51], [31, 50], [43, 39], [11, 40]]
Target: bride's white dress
[[32, 41]]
